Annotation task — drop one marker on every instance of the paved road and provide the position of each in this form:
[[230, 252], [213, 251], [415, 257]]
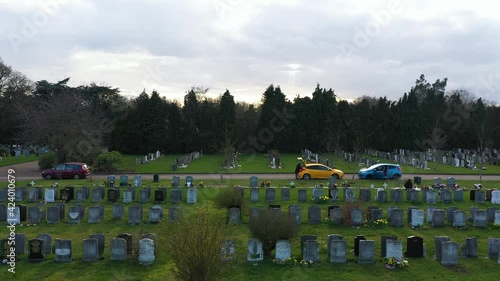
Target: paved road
[[29, 171]]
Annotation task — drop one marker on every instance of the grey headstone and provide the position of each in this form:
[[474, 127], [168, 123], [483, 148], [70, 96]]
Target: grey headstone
[[480, 219], [317, 192], [397, 217], [285, 194], [47, 243], [80, 195], [459, 218], [329, 239], [144, 195], [376, 214], [310, 250], [234, 216], [450, 211], [383, 244], [333, 194], [254, 195], [430, 212], [480, 196], [174, 213], [302, 195], [154, 215], [146, 251], [50, 195], [493, 248], [135, 214], [417, 218], [34, 215], [394, 249], [490, 214], [33, 195], [4, 191], [495, 197], [472, 211], [74, 215], [338, 251], [254, 214], [94, 215], [438, 218], [90, 250], [438, 241], [101, 240], [396, 195], [381, 196], [192, 196], [414, 195], [356, 217], [445, 196], [283, 250], [365, 195], [118, 211], [349, 195], [20, 247], [127, 196], [458, 195], [470, 247], [449, 253], [53, 215], [255, 251], [314, 215], [296, 213], [497, 218], [270, 195], [175, 195], [63, 250], [118, 249], [96, 195], [430, 196], [366, 252], [228, 250]]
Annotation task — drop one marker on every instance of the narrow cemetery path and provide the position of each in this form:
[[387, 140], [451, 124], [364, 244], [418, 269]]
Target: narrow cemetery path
[[29, 171]]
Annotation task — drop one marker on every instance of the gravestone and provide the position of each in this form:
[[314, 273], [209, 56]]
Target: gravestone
[[296, 213], [118, 211], [333, 194], [101, 240], [357, 239], [253, 214], [336, 216], [128, 238], [356, 217], [472, 210], [459, 218], [96, 195], [383, 244], [430, 212], [254, 181], [458, 195], [20, 246], [137, 180], [480, 219], [310, 250], [50, 195], [438, 218], [113, 195], [480, 197], [303, 239], [414, 247], [381, 196], [285, 194], [174, 213], [74, 215], [189, 181], [155, 214], [413, 195], [35, 253], [146, 251], [82, 210], [47, 243], [417, 218], [63, 250], [283, 250], [62, 210], [497, 218], [175, 195], [470, 247], [270, 195], [495, 197], [90, 250], [135, 214], [254, 195], [450, 211], [143, 195], [349, 195], [314, 215], [394, 249], [94, 215], [490, 214], [123, 180], [396, 195], [234, 216], [132, 189], [366, 252], [332, 181], [445, 196], [111, 180], [493, 248], [53, 215], [255, 251], [228, 250], [365, 195], [80, 195], [159, 196], [33, 195], [176, 181], [18, 195], [397, 217], [34, 215], [438, 241], [409, 212], [429, 196], [127, 196], [449, 255], [118, 249], [338, 251], [329, 239], [302, 195], [192, 196], [317, 192], [376, 214]]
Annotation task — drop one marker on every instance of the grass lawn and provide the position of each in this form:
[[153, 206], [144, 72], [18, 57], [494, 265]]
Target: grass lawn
[[258, 163], [481, 268], [11, 160]]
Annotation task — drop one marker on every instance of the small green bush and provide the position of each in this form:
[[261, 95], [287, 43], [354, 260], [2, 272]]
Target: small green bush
[[108, 162], [47, 160], [231, 197]]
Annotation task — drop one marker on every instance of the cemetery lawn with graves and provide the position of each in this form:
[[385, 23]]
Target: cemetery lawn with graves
[[259, 163], [12, 160], [426, 268]]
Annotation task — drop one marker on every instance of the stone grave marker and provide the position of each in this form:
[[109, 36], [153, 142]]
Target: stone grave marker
[[192, 197], [33, 195], [314, 215], [397, 217], [118, 249], [35, 253], [113, 195], [159, 196], [415, 247], [303, 239], [20, 247], [480, 197], [228, 250], [357, 239], [254, 195], [254, 213], [317, 192], [128, 238], [174, 213], [254, 181], [394, 249], [365, 195], [53, 215], [438, 218], [47, 243], [338, 251], [94, 215], [101, 240], [497, 218], [493, 248], [333, 194], [438, 242], [283, 250], [143, 195], [417, 218], [430, 212], [310, 250], [349, 195], [480, 219], [302, 195], [127, 196], [449, 255], [146, 251], [255, 251], [470, 247], [175, 195], [234, 216], [270, 195], [376, 214], [366, 252], [285, 194], [450, 211], [63, 250], [381, 196], [383, 244], [336, 216], [356, 217], [458, 195], [396, 195], [445, 196], [50, 195], [413, 195], [329, 239], [90, 250], [135, 214], [4, 192], [296, 213], [80, 196], [459, 218], [154, 215], [74, 215], [123, 180], [137, 180], [490, 214], [429, 196], [96, 195], [495, 197], [34, 215], [176, 181]]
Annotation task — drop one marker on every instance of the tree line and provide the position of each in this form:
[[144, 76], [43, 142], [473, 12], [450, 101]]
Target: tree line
[[78, 122]]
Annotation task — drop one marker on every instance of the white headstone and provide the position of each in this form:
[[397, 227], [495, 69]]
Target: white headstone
[[495, 197], [49, 195], [146, 251]]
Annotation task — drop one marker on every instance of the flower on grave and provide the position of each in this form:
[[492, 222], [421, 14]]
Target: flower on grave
[[392, 263]]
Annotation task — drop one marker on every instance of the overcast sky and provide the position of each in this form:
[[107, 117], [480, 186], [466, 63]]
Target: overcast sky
[[375, 48]]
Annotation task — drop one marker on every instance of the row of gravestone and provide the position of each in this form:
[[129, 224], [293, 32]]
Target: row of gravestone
[[113, 195], [76, 214], [429, 196], [39, 248], [445, 250], [176, 181], [395, 215]]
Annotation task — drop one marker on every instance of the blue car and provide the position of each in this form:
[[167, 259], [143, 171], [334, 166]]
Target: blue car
[[381, 171]]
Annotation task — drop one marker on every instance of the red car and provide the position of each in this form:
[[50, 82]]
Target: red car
[[71, 170]]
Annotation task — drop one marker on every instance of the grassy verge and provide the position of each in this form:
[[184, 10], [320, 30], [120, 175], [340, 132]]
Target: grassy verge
[[12, 160]]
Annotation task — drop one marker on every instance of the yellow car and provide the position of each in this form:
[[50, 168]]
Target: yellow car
[[319, 171]]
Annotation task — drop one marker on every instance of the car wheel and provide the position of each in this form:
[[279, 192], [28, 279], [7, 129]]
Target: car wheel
[[335, 176], [369, 177], [76, 176], [396, 177], [306, 177], [48, 176]]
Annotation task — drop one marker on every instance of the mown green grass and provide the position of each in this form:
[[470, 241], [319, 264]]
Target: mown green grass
[[11, 160], [481, 268]]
